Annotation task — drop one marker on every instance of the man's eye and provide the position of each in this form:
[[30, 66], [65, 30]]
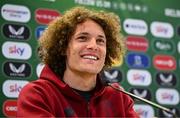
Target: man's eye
[[101, 41], [82, 38]]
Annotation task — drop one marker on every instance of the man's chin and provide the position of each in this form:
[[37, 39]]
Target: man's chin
[[91, 71]]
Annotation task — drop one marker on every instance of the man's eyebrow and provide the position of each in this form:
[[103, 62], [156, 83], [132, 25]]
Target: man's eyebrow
[[83, 33], [86, 33], [101, 36]]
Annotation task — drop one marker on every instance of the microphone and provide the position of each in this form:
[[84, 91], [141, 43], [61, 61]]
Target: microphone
[[108, 80]]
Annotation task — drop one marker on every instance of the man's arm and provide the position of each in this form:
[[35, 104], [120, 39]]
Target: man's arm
[[32, 103]]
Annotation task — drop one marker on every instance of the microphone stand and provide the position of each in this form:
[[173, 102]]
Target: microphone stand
[[144, 100]]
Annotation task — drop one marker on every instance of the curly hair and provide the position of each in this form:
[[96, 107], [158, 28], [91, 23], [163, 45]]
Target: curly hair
[[54, 41]]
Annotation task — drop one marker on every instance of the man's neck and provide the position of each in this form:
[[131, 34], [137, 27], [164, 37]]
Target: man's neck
[[80, 80]]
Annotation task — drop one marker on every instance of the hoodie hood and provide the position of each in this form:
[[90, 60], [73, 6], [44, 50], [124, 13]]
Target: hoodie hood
[[48, 75]]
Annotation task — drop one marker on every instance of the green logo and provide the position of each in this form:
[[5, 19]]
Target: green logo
[[163, 46]]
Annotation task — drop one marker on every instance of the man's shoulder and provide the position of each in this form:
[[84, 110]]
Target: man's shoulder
[[36, 84]]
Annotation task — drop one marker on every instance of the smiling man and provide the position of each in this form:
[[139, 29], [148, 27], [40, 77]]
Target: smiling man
[[75, 49], [86, 54]]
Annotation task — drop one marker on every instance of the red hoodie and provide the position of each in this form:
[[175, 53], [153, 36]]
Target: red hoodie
[[50, 97]]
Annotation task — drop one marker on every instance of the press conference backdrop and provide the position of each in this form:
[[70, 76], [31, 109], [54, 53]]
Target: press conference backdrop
[[149, 70]]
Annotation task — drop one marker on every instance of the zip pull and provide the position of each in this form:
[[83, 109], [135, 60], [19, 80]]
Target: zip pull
[[88, 109]]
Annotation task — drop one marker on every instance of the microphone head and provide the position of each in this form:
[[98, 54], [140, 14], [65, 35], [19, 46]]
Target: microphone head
[[111, 76]]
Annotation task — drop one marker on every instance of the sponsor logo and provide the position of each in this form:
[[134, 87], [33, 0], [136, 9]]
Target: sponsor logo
[[166, 79], [135, 43], [144, 111], [163, 46], [39, 69], [171, 12], [139, 77], [17, 13], [137, 60], [178, 30], [164, 62], [135, 27], [10, 108], [112, 75], [17, 69], [178, 47], [45, 16], [39, 31], [167, 96], [168, 115], [143, 93], [12, 88], [162, 29], [14, 31], [16, 50]]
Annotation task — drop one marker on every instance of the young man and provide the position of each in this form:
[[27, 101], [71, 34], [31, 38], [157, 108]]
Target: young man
[[76, 48]]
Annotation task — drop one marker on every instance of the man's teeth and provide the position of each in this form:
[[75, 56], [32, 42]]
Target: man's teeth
[[90, 57]]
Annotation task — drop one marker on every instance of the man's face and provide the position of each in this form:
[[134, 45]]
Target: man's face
[[86, 50]]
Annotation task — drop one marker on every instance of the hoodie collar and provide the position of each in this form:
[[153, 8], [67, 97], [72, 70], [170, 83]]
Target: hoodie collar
[[49, 75]]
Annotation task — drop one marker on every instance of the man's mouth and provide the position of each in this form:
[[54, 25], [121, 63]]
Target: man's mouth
[[91, 57]]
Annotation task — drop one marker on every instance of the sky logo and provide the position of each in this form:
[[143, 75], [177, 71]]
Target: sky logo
[[12, 88], [162, 29], [167, 96], [137, 60], [139, 77], [16, 50], [144, 111]]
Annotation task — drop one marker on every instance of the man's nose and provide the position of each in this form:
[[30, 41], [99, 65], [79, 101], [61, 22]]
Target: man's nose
[[92, 44]]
